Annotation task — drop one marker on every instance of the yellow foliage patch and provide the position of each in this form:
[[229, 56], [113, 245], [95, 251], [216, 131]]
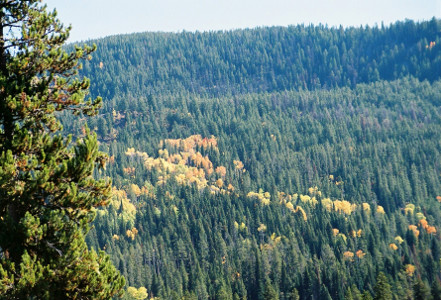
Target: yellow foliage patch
[[261, 228], [219, 183], [366, 207], [137, 294], [290, 206], [135, 189], [410, 269], [313, 191], [126, 210], [409, 209], [343, 236], [420, 216], [298, 208], [380, 210], [415, 230], [308, 199], [130, 152], [399, 239], [344, 206], [263, 197], [327, 204], [132, 233]]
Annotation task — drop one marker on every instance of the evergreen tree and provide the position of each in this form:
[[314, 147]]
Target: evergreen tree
[[270, 293], [382, 288], [294, 295], [366, 296], [348, 294], [48, 196], [436, 290], [420, 290]]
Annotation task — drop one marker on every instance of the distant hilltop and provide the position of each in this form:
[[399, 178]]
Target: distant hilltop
[[265, 59]]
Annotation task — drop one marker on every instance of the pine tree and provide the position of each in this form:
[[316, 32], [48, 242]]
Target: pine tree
[[366, 296], [48, 196], [420, 290], [348, 294], [382, 288], [270, 293], [436, 290], [294, 295]]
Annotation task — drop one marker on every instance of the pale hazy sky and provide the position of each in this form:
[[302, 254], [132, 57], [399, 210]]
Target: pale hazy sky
[[99, 18]]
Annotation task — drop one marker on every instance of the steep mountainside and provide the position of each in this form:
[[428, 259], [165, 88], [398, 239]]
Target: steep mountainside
[[272, 163]]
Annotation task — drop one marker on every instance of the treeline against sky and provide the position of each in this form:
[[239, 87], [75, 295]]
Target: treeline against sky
[[272, 163]]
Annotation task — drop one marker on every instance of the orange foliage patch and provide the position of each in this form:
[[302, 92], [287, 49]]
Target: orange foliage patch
[[393, 246], [222, 171], [431, 229], [423, 223], [360, 254], [238, 164], [132, 233], [348, 255], [431, 45], [190, 143], [129, 170]]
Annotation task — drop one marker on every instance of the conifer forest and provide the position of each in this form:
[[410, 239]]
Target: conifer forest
[[299, 162]]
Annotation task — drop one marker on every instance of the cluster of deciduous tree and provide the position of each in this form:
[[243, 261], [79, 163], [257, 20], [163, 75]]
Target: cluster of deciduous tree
[[326, 142]]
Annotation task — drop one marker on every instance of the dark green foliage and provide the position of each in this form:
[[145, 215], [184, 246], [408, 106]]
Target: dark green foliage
[[436, 290], [263, 59], [366, 296], [348, 294], [270, 293], [294, 295], [420, 290], [48, 196], [204, 230], [382, 288], [295, 105]]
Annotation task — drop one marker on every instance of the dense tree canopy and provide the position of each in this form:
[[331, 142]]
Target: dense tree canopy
[[295, 162], [48, 196], [264, 59]]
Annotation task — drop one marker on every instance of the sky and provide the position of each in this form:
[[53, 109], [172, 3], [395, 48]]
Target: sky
[[99, 18]]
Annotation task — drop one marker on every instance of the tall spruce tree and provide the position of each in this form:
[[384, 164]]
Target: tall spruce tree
[[48, 196], [382, 288]]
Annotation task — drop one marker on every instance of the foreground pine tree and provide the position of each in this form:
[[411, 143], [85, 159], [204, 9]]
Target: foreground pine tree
[[47, 193]]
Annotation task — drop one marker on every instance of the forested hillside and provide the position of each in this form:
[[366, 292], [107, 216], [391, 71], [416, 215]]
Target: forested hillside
[[263, 59], [274, 163]]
